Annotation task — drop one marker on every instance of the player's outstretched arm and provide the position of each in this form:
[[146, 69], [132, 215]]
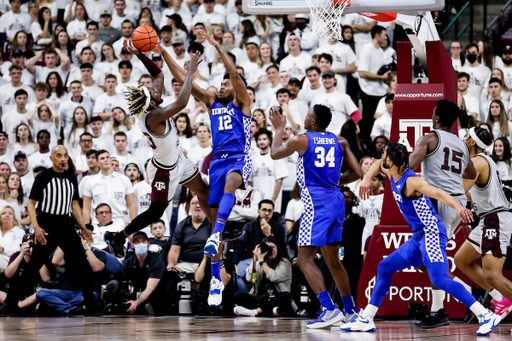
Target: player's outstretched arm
[[415, 184], [365, 188], [205, 96], [420, 151], [350, 162], [180, 103], [278, 149], [153, 69], [242, 96]]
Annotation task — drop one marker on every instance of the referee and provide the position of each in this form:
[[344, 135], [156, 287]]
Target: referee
[[53, 209]]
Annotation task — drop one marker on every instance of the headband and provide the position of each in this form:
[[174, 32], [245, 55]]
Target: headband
[[475, 138], [148, 97]]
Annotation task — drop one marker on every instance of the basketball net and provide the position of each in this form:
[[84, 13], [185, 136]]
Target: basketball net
[[326, 16]]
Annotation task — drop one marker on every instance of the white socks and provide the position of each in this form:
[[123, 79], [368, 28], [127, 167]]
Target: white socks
[[478, 309], [370, 311], [458, 280], [498, 297], [438, 297]]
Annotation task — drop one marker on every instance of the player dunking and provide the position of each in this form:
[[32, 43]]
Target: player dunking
[[445, 162], [491, 237], [321, 155], [169, 166], [230, 114], [427, 244]]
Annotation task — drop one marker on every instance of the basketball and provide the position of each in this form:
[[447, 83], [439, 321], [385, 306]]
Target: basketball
[[144, 38]]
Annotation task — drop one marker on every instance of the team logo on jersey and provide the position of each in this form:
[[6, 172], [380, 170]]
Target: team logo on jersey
[[160, 185], [490, 233]]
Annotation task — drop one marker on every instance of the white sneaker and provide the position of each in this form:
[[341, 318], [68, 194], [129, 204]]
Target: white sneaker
[[360, 324], [326, 318], [211, 248], [276, 312], [216, 288], [241, 311], [488, 322]]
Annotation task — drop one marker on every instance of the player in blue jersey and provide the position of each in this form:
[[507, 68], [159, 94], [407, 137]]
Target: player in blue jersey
[[230, 116], [427, 244], [321, 155]]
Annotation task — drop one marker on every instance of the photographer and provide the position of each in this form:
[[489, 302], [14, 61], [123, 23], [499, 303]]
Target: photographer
[[255, 231], [17, 264], [146, 272], [271, 275]]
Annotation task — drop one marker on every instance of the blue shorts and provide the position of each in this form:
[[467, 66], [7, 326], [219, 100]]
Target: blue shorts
[[323, 224], [219, 171], [424, 247]]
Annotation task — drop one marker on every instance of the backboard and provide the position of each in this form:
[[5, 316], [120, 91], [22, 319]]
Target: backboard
[[270, 7]]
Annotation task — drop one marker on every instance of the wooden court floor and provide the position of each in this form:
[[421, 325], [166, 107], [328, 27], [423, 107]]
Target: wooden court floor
[[220, 329]]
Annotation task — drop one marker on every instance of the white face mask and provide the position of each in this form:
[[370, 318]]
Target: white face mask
[[141, 249]]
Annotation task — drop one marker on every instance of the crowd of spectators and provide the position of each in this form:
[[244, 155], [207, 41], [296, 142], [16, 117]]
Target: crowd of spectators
[[64, 70]]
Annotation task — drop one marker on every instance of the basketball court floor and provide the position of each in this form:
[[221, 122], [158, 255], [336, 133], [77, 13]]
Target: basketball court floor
[[221, 329]]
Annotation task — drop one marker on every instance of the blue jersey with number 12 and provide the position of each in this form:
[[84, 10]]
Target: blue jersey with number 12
[[318, 169], [231, 130]]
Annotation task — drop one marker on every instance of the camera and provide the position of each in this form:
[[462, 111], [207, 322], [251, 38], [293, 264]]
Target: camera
[[264, 247]]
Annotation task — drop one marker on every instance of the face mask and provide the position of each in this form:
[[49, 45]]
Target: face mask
[[507, 61], [300, 25], [141, 249], [471, 58]]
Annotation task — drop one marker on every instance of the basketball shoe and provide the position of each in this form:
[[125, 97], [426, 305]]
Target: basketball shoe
[[503, 307], [360, 324], [211, 249], [216, 288], [488, 322], [326, 318], [434, 320]]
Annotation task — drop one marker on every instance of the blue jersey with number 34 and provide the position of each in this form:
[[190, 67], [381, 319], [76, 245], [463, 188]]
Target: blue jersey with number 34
[[231, 130], [318, 169]]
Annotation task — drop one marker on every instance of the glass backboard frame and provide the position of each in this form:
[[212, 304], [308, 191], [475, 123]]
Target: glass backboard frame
[[271, 7]]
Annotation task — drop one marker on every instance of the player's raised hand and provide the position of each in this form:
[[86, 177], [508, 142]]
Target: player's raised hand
[[194, 62], [277, 118], [365, 189], [158, 49], [212, 41], [465, 215], [129, 47]]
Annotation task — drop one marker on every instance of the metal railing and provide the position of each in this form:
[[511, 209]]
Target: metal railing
[[497, 23], [455, 22]]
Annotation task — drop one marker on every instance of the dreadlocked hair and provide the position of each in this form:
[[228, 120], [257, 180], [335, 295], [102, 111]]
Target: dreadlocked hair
[[137, 100], [398, 154]]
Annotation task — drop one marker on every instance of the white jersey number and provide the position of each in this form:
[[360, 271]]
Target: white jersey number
[[320, 155], [225, 122]]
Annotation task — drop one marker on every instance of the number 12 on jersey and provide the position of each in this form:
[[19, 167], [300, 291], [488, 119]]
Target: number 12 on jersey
[[322, 157], [225, 122]]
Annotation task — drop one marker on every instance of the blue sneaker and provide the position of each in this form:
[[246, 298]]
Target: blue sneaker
[[326, 318], [360, 324], [211, 249], [488, 322], [215, 294]]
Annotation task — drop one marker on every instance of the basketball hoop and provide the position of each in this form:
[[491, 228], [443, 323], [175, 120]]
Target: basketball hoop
[[326, 16]]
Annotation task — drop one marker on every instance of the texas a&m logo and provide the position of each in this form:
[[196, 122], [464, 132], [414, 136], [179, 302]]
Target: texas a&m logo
[[421, 127], [160, 185], [490, 233]]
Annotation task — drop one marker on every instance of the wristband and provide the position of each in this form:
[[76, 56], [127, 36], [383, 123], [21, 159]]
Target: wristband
[[261, 263]]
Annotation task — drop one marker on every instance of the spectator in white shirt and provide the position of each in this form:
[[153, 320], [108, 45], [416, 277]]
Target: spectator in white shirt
[[472, 102], [86, 56], [107, 101], [67, 108], [121, 154], [296, 104], [100, 140], [17, 58], [343, 58], [15, 20], [382, 125], [325, 64], [10, 120], [51, 58], [268, 174], [372, 84], [127, 28], [24, 140], [314, 88], [341, 105], [361, 25], [42, 156], [498, 121], [80, 159], [109, 187], [133, 173], [6, 153], [458, 59], [125, 70], [11, 235], [178, 8], [506, 57], [109, 63], [73, 132], [198, 153], [308, 40], [91, 89], [42, 29], [283, 97], [7, 91], [267, 97], [478, 72], [76, 28], [209, 16], [495, 89], [92, 40], [296, 62], [119, 15]]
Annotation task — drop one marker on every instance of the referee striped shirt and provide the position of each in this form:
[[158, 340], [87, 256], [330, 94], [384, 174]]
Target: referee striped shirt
[[55, 192]]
